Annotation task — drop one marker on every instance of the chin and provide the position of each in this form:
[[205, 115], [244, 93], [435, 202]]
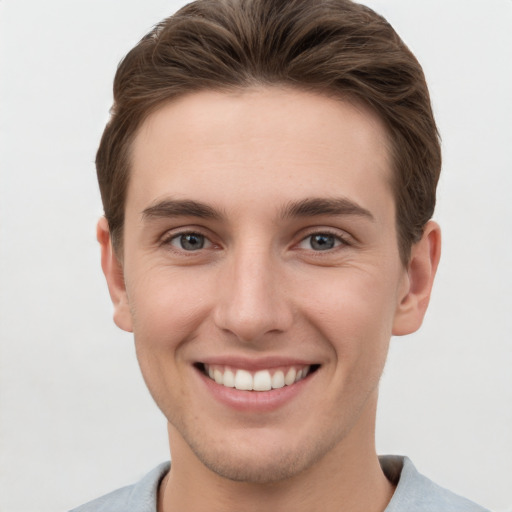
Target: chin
[[257, 462], [274, 468]]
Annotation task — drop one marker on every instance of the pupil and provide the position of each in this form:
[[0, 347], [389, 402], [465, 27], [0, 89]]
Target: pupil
[[192, 242], [322, 242]]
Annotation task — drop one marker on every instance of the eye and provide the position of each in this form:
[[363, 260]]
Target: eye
[[321, 242], [190, 241]]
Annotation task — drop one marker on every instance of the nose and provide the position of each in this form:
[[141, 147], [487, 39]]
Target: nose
[[253, 301]]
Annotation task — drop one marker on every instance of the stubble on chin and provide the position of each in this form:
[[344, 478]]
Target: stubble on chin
[[247, 463]]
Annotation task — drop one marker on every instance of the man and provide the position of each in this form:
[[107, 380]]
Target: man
[[268, 177]]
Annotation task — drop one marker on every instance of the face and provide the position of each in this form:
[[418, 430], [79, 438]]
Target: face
[[260, 252]]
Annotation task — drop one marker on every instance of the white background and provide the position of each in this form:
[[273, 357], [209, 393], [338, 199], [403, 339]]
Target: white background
[[75, 419]]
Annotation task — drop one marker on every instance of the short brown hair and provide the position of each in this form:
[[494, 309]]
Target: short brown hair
[[333, 47]]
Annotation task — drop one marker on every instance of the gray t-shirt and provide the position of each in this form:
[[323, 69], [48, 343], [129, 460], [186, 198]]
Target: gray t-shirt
[[414, 492]]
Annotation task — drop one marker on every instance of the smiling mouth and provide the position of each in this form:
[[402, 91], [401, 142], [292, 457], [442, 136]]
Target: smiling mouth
[[261, 380]]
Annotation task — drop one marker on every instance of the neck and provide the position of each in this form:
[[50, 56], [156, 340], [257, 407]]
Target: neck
[[348, 478]]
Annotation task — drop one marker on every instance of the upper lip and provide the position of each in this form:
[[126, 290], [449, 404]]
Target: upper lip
[[255, 364]]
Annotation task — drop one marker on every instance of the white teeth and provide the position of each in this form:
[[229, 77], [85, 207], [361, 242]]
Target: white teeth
[[278, 380], [290, 376], [262, 380], [243, 380], [218, 377], [229, 379]]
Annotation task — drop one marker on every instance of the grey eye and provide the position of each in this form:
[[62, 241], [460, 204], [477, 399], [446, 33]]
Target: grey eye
[[322, 242], [189, 241]]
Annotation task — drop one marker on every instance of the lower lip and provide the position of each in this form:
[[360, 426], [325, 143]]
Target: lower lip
[[255, 401]]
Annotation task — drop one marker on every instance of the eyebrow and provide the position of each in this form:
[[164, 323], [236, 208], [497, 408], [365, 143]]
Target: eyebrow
[[181, 208], [312, 207]]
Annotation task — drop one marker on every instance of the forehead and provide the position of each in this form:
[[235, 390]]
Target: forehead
[[271, 143]]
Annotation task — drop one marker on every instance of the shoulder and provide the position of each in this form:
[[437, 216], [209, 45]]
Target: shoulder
[[139, 497], [416, 493]]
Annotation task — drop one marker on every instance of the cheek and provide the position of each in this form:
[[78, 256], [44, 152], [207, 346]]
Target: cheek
[[354, 313], [350, 304], [167, 305]]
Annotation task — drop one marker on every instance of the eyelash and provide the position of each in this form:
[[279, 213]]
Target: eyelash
[[339, 241], [167, 240]]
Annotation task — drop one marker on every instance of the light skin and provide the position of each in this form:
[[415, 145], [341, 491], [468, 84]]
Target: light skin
[[260, 235]]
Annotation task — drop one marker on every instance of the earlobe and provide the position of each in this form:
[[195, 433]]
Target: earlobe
[[113, 270], [421, 271]]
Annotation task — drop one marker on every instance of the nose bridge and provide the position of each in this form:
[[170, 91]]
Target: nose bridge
[[252, 301]]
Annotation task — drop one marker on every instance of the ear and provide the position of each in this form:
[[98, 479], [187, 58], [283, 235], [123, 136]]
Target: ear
[[421, 271], [113, 270]]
